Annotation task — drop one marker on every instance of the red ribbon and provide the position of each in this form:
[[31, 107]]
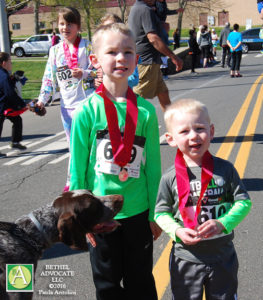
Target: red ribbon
[[72, 60], [121, 147], [13, 113], [183, 185]]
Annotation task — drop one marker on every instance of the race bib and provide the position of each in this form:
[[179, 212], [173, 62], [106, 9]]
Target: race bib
[[104, 156], [65, 78]]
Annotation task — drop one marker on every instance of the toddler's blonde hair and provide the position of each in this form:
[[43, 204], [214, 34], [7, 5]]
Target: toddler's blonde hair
[[184, 106]]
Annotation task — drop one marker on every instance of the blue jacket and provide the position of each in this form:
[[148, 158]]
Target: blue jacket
[[8, 95]]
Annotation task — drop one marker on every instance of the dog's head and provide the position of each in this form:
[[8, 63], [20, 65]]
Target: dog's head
[[81, 212]]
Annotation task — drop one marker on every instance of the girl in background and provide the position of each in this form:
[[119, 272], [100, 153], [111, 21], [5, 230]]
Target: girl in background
[[68, 69]]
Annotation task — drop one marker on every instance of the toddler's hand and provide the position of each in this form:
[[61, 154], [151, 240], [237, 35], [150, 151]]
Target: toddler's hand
[[188, 236], [210, 228]]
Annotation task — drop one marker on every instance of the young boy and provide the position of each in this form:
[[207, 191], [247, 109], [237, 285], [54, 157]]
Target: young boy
[[115, 150], [200, 200]]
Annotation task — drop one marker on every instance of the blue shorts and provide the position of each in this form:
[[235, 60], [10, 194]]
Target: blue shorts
[[260, 6]]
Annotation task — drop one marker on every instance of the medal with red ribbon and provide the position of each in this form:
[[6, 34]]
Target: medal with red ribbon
[[72, 60], [121, 147], [183, 185]]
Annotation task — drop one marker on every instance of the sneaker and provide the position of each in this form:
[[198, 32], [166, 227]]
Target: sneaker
[[2, 155], [17, 146], [193, 73]]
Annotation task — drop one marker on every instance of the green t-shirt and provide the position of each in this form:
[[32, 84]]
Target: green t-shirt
[[92, 166]]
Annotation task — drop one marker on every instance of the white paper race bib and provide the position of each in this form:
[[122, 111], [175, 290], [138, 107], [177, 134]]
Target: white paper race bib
[[65, 78], [104, 156]]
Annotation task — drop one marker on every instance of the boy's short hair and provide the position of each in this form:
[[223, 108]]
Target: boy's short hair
[[70, 14], [184, 106], [113, 18], [4, 56], [114, 27]]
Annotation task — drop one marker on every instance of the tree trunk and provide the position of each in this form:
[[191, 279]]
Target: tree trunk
[[36, 16]]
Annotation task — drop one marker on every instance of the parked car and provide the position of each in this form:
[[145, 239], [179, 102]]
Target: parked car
[[251, 40], [36, 44]]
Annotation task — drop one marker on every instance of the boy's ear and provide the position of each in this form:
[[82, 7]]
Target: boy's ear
[[170, 140], [137, 58], [94, 60], [212, 131]]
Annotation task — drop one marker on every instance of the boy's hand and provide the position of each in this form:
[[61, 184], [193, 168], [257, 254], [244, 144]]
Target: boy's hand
[[188, 236], [77, 73], [156, 230], [99, 78], [210, 228]]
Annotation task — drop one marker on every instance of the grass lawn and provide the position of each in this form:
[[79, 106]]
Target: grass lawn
[[34, 71]]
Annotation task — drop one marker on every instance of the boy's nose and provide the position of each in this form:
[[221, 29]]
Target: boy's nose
[[193, 134], [120, 56]]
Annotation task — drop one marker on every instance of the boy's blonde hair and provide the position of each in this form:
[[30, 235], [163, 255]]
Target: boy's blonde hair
[[184, 106], [115, 27], [112, 18]]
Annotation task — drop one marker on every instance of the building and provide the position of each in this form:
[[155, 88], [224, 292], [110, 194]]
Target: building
[[220, 12]]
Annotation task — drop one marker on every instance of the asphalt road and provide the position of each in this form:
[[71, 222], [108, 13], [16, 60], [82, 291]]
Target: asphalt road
[[37, 177]]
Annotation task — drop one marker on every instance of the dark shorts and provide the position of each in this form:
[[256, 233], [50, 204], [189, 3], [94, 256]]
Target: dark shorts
[[188, 279], [206, 51]]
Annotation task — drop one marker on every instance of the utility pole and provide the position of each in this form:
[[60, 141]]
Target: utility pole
[[4, 34]]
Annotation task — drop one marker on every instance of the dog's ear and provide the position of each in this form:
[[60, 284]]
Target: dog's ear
[[70, 232], [64, 225]]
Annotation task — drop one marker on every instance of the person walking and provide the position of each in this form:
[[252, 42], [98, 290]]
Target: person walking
[[205, 43], [68, 69], [194, 50], [54, 39], [223, 43], [146, 28], [234, 42]]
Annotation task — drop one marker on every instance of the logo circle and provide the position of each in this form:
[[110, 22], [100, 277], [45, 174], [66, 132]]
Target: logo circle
[[19, 277]]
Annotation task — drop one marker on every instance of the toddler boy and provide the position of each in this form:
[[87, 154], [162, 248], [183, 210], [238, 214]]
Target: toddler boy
[[201, 199]]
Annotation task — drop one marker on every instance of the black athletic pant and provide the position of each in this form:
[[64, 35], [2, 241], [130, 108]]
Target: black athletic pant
[[226, 53], [17, 127], [122, 261], [194, 61], [236, 60]]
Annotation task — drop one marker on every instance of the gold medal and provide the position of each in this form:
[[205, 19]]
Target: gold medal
[[123, 175]]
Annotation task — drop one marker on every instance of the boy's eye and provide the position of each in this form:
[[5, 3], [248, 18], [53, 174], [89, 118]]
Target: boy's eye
[[184, 131]]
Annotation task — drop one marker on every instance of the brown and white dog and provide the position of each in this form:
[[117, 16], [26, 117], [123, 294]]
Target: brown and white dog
[[67, 220]]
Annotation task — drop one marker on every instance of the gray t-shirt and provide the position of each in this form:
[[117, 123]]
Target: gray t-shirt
[[143, 20], [224, 188]]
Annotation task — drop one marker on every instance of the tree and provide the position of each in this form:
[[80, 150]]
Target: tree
[[93, 9], [12, 6], [36, 15], [193, 8], [122, 6]]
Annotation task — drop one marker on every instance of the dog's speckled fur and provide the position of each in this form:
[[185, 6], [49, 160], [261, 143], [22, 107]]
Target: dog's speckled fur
[[67, 220]]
